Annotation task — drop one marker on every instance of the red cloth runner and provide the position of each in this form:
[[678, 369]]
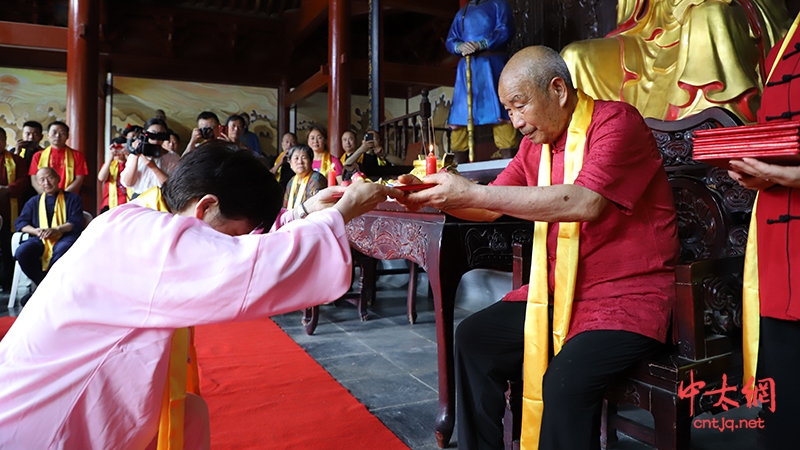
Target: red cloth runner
[[264, 391]]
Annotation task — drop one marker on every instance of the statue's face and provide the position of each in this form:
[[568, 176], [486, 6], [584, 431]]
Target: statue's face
[[629, 8]]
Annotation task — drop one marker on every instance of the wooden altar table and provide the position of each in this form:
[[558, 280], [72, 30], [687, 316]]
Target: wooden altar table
[[447, 248]]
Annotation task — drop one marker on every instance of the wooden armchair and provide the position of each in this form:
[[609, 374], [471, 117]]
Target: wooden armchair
[[713, 216]]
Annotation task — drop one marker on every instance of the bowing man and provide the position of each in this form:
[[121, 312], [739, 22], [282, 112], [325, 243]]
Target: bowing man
[[54, 219]]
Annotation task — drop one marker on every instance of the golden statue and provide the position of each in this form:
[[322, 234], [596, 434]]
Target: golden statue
[[673, 58]]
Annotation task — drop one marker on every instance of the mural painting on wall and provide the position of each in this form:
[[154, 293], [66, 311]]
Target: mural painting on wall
[[26, 95], [136, 99]]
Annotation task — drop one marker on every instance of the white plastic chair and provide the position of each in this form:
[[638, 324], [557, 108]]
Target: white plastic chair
[[20, 279]]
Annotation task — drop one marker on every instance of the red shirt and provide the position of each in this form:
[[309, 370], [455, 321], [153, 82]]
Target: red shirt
[[780, 242], [626, 278], [57, 162]]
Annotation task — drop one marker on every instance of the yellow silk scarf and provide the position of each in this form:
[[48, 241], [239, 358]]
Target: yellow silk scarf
[[751, 300], [325, 166], [69, 164], [296, 192], [114, 198], [182, 377], [536, 318], [59, 218], [278, 172], [11, 177]]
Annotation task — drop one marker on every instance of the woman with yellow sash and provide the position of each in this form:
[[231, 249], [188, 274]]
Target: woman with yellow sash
[[114, 193], [589, 174], [771, 302], [323, 161], [306, 182]]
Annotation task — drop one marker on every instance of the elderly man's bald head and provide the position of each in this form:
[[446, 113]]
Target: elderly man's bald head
[[48, 179], [536, 90], [537, 65]]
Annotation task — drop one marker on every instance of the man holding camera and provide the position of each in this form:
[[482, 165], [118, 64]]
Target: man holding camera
[[149, 164], [54, 220], [69, 164], [29, 144], [208, 129]]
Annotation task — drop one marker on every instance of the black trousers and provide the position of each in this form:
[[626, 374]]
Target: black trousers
[[6, 257], [29, 255], [488, 353], [779, 359]]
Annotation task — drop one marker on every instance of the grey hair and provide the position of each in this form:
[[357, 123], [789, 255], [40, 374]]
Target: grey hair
[[303, 148]]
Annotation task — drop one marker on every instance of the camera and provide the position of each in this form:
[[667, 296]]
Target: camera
[[369, 137], [147, 149], [207, 133]]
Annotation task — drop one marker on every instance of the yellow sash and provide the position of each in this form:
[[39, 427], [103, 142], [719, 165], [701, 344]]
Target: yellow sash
[[325, 165], [69, 164], [751, 300], [114, 198], [182, 377], [296, 192], [278, 172], [59, 218], [536, 318], [11, 177]]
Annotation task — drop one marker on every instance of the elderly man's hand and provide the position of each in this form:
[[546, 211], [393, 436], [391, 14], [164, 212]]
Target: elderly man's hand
[[468, 48], [754, 174], [453, 192], [361, 197]]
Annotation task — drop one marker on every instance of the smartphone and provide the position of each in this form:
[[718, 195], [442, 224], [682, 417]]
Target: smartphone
[[369, 137], [221, 130]]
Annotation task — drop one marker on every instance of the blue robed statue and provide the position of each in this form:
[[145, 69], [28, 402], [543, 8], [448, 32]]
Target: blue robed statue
[[481, 29]]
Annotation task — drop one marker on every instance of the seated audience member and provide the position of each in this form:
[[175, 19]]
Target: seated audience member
[[14, 182], [281, 168], [85, 365], [174, 142], [349, 146], [29, 144], [249, 138], [371, 154], [234, 132], [607, 201], [54, 220], [69, 164], [114, 193], [143, 172], [323, 161], [306, 182], [208, 129]]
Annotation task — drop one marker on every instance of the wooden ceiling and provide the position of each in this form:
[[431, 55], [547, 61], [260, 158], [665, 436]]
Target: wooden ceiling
[[247, 42]]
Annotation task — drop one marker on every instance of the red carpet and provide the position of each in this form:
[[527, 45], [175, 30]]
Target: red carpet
[[5, 324], [265, 392]]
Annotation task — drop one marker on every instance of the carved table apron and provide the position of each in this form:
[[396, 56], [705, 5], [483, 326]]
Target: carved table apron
[[446, 248]]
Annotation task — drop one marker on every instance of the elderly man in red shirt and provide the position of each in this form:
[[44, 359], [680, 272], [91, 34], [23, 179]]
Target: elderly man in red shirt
[[605, 244]]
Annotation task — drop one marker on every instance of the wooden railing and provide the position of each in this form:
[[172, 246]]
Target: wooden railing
[[406, 133]]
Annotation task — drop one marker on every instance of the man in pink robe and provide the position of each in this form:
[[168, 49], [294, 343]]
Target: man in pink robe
[[85, 364]]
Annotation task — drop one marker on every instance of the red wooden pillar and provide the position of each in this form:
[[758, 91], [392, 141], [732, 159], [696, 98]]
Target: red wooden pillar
[[340, 68], [283, 112], [82, 88]]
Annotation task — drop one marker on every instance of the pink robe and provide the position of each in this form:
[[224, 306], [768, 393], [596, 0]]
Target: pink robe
[[84, 365]]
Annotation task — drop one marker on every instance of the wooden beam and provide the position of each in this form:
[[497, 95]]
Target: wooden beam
[[408, 74], [442, 8], [311, 15], [305, 89], [27, 35]]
